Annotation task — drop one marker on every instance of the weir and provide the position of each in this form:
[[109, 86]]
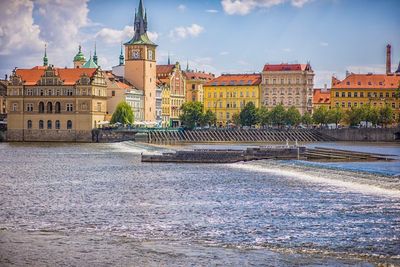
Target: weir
[[233, 135]]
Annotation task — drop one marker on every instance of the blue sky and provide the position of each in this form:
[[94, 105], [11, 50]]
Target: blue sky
[[215, 35]]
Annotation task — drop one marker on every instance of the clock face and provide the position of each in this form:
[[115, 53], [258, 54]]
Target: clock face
[[136, 54]]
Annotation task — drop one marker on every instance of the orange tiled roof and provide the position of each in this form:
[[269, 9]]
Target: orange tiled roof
[[69, 76], [364, 81], [193, 75], [165, 69], [122, 85], [286, 67], [235, 80], [320, 97]]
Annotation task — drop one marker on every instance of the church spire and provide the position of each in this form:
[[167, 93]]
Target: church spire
[[169, 59], [45, 59], [187, 65], [121, 57], [95, 54]]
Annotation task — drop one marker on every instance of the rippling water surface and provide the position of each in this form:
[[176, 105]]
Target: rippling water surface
[[97, 205]]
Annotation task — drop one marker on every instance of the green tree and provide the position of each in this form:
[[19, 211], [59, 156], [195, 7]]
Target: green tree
[[354, 116], [386, 115], [263, 116], [208, 118], [320, 115], [122, 114], [292, 116], [277, 115], [306, 119], [370, 114], [236, 119], [335, 116], [192, 114], [248, 115]]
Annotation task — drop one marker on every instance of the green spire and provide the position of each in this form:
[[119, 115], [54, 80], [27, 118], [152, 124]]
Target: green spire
[[45, 59], [95, 55], [79, 57], [121, 57], [90, 64]]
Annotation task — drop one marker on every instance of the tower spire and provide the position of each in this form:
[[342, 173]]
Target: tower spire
[[95, 54], [169, 59], [121, 57], [187, 65], [45, 59]]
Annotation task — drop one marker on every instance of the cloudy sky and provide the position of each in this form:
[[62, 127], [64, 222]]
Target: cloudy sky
[[213, 35]]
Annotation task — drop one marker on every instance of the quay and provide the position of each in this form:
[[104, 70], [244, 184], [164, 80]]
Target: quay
[[263, 152]]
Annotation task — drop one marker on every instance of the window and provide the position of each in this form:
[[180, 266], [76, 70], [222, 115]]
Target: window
[[49, 92], [41, 107], [41, 124], [69, 124], [113, 93], [58, 107], [69, 107], [387, 94], [99, 106], [343, 94], [349, 104], [29, 92], [58, 124], [337, 94], [49, 124], [348, 94], [369, 94], [355, 94], [49, 107], [361, 94], [69, 92], [41, 92], [29, 107], [228, 116], [343, 105], [380, 95], [29, 124]]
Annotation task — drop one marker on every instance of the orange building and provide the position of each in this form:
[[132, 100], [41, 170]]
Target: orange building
[[321, 98], [194, 84]]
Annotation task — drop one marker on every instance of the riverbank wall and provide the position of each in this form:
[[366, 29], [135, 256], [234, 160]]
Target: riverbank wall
[[363, 134]]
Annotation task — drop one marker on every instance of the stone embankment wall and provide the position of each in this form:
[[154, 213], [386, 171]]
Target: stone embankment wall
[[48, 136], [363, 134], [110, 136]]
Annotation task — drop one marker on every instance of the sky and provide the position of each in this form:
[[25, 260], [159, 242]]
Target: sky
[[219, 36]]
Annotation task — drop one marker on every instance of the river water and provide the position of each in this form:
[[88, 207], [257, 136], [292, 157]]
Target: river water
[[98, 205]]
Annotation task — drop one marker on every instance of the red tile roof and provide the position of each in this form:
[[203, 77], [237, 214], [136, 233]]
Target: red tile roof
[[192, 75], [165, 69], [365, 81], [69, 76], [321, 97], [235, 80], [287, 67]]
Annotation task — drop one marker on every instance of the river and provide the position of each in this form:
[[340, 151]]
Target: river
[[98, 205]]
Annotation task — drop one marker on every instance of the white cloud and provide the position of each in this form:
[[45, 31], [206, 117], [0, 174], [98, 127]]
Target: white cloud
[[323, 44], [224, 53], [182, 8], [183, 32], [212, 11], [244, 7], [374, 68], [287, 50], [112, 36]]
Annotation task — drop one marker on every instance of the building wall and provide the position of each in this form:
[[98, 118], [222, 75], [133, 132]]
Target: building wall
[[225, 101], [194, 90], [166, 106], [291, 88]]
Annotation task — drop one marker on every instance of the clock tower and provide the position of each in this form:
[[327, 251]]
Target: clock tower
[[140, 63]]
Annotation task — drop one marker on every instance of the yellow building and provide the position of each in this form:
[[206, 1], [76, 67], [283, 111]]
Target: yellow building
[[165, 106], [194, 84], [55, 104], [229, 93], [377, 90]]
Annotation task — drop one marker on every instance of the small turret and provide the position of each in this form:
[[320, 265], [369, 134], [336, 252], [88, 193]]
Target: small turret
[[79, 59], [95, 54], [45, 59], [169, 59], [121, 57]]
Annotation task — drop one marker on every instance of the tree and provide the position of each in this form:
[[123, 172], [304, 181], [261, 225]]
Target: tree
[[370, 114], [306, 119], [248, 115], [123, 114], [354, 116], [277, 115], [320, 115], [292, 116], [192, 114], [263, 116], [335, 116], [386, 115], [236, 119], [208, 118]]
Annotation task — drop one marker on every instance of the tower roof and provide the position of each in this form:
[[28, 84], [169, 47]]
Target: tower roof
[[90, 64], [79, 56], [95, 54], [140, 25], [45, 59]]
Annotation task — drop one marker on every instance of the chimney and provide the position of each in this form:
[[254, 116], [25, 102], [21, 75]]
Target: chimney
[[388, 59]]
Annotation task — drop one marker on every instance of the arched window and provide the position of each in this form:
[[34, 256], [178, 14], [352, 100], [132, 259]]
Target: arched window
[[49, 124], [41, 107], [41, 124], [58, 107], [69, 124], [49, 107], [58, 125], [29, 124]]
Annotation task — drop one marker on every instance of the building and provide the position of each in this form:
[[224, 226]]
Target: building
[[79, 59], [321, 98], [229, 93], [159, 90], [174, 82], [119, 91], [194, 84], [356, 90], [140, 63], [55, 104], [288, 84], [165, 106], [3, 94]]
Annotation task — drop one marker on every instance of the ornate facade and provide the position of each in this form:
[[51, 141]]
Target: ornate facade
[[55, 104], [195, 81], [288, 84]]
